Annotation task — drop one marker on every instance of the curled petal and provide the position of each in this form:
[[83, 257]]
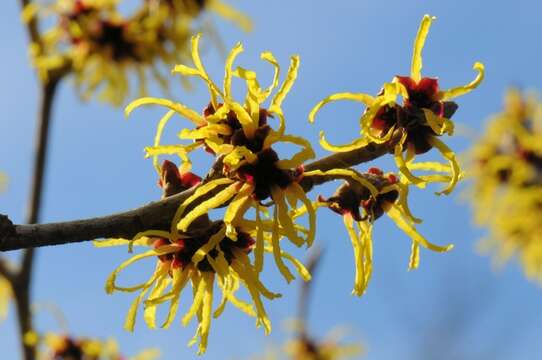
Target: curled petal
[[305, 154], [395, 214], [276, 248], [276, 103], [403, 167], [354, 145], [179, 108], [462, 90], [309, 208], [268, 56], [359, 97], [110, 285], [450, 156]]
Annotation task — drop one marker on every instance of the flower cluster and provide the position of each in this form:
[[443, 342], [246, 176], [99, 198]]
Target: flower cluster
[[260, 195], [240, 136], [54, 346], [506, 169], [419, 121], [360, 208], [201, 257], [103, 48]]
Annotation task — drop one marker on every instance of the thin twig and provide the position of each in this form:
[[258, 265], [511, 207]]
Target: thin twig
[[23, 279], [304, 293]]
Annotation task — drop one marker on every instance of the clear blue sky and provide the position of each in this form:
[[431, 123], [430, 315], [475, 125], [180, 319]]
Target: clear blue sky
[[454, 303]]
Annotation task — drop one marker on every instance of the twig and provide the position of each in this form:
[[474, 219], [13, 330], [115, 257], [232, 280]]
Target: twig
[[23, 278], [156, 215], [304, 293]]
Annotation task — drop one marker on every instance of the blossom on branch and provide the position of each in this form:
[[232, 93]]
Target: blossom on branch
[[104, 48], [202, 260], [239, 133], [506, 193], [360, 209], [421, 119]]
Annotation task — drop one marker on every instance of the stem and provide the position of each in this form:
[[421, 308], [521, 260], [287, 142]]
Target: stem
[[156, 215], [304, 293], [23, 279]]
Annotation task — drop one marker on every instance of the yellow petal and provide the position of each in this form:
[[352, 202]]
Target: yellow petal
[[219, 199], [448, 154], [354, 145], [213, 241], [402, 165], [200, 191], [359, 97], [462, 90], [299, 158], [181, 109], [414, 256], [287, 84], [197, 301], [396, 216], [207, 307], [237, 49], [300, 194], [423, 30], [180, 278], [276, 248]]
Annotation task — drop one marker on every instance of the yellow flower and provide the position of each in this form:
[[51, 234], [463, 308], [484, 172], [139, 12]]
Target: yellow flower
[[423, 116], [253, 171], [64, 347], [5, 297], [204, 258], [103, 48], [360, 209], [506, 164]]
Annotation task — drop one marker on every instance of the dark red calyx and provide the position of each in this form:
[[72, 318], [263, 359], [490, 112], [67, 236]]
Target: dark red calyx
[[264, 174], [375, 171], [173, 182], [421, 94]]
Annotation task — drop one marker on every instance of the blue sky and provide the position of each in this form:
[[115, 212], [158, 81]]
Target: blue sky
[[455, 303]]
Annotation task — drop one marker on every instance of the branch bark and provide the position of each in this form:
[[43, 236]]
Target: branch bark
[[155, 215]]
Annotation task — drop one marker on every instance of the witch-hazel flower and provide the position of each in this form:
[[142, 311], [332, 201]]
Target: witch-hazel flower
[[418, 123]]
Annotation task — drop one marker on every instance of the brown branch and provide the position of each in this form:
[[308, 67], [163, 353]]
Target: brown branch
[[156, 215]]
